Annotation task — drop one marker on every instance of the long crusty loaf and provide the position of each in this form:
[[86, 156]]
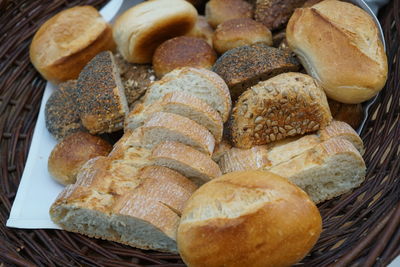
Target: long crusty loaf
[[179, 103], [328, 170], [200, 83], [287, 105], [236, 159]]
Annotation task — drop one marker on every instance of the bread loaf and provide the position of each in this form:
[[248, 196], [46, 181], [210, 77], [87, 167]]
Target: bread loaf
[[68, 156], [245, 66], [202, 30], [142, 28], [183, 51], [200, 83], [249, 218], [236, 159], [100, 95], [66, 42], [181, 104], [328, 170], [352, 68], [240, 32], [287, 105], [218, 11]]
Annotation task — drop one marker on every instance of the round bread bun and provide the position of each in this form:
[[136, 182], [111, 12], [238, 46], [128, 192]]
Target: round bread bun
[[218, 11], [70, 154], [344, 54], [239, 32], [202, 30], [251, 218], [142, 28], [66, 42], [183, 51]]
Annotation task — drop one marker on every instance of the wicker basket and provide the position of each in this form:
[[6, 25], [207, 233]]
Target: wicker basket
[[361, 228]]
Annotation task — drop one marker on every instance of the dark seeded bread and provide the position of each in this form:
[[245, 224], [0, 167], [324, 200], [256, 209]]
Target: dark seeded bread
[[245, 66]]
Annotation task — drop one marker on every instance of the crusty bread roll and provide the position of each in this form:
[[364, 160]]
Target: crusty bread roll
[[350, 113], [251, 218], [183, 51], [287, 105], [338, 43], [239, 32], [142, 28], [245, 66], [68, 156], [218, 11], [202, 30], [66, 42]]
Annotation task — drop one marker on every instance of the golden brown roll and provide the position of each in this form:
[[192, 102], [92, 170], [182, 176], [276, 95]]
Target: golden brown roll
[[349, 113], [142, 28], [183, 51], [239, 32], [252, 218], [338, 44], [66, 42], [70, 154], [218, 11], [202, 30]]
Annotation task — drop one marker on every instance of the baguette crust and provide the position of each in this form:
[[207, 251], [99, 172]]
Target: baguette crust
[[287, 105], [357, 49], [178, 128]]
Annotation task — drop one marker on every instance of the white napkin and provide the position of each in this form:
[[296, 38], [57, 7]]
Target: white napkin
[[37, 190]]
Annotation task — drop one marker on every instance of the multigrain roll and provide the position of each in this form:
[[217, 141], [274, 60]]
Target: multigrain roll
[[239, 32], [142, 28], [72, 153], [245, 66], [338, 44], [251, 218], [218, 11], [66, 42], [202, 30], [183, 51]]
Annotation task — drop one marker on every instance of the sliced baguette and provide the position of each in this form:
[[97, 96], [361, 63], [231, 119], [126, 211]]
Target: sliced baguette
[[186, 160], [181, 104], [201, 83], [163, 126], [328, 170], [220, 149], [237, 159]]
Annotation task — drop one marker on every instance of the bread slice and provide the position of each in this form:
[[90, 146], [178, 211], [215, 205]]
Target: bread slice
[[220, 149], [328, 170], [183, 104], [237, 159], [100, 95], [146, 217], [200, 168], [287, 105], [200, 83], [163, 126]]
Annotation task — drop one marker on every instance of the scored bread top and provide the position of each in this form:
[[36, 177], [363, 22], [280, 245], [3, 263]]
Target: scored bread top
[[201, 83], [287, 105]]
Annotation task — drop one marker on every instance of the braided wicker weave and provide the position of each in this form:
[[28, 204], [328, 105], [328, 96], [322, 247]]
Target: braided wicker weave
[[360, 229]]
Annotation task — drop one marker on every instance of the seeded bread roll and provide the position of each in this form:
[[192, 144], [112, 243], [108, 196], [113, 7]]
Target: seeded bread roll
[[100, 95], [61, 113], [68, 156], [287, 105], [249, 218], [181, 104], [66, 42], [352, 68], [275, 13], [202, 30], [200, 83], [142, 28], [349, 113], [240, 32], [245, 66], [183, 51], [218, 11]]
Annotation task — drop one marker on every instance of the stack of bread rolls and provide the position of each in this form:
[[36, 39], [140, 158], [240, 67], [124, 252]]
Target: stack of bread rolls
[[159, 187]]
